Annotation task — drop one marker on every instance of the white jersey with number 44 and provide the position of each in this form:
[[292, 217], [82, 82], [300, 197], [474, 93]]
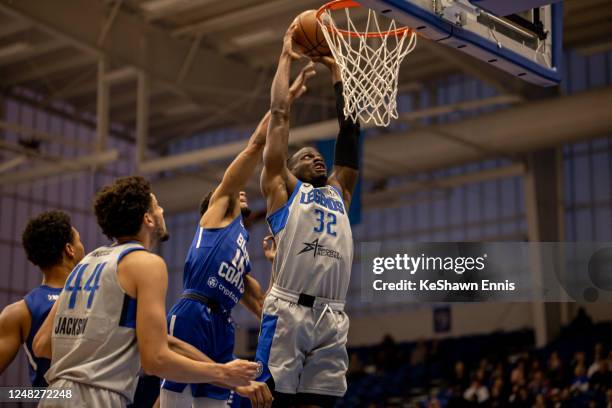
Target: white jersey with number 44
[[94, 331]]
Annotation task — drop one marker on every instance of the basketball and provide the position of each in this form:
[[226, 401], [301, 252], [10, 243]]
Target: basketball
[[309, 35]]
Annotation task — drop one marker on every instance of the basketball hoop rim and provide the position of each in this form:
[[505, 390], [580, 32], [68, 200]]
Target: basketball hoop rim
[[342, 4]]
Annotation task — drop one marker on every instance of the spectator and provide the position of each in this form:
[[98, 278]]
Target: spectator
[[519, 397], [355, 369], [498, 371], [497, 398], [578, 359], [538, 385], [460, 378], [601, 380], [580, 383], [540, 402], [555, 371], [476, 392], [517, 377], [598, 356], [434, 403], [559, 398], [386, 359]]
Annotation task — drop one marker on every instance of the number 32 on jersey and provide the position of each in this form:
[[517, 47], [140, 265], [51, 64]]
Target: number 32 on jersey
[[325, 222]]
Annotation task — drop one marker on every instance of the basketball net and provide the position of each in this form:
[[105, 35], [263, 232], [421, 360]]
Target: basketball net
[[369, 62]]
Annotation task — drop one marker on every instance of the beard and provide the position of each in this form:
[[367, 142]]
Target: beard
[[310, 177], [164, 236], [319, 181], [245, 211], [161, 232]]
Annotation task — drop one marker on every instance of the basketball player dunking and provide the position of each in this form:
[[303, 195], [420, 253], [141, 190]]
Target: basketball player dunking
[[110, 316], [54, 245], [303, 335], [216, 277]]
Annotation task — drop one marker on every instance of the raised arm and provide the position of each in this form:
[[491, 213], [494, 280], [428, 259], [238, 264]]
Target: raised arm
[[145, 275], [240, 170], [346, 154], [12, 320], [276, 180]]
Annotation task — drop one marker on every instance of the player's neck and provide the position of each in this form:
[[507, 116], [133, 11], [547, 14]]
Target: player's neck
[[55, 276], [146, 240]]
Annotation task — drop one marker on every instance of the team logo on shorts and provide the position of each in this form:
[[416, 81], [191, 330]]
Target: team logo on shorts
[[213, 282], [259, 369], [319, 250]]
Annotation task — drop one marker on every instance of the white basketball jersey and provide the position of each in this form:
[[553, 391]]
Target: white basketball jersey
[[94, 336], [314, 243]]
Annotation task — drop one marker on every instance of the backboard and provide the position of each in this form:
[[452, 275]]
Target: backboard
[[521, 37]]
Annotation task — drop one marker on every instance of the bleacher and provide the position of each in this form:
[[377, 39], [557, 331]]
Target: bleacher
[[422, 374]]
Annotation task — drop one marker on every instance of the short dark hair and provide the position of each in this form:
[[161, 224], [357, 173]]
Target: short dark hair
[[46, 236], [121, 206], [205, 202]]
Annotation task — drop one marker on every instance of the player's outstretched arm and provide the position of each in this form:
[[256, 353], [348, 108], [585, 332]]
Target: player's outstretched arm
[[146, 276], [240, 170], [253, 297], [346, 155], [12, 320], [41, 345], [276, 180], [236, 176], [187, 350]]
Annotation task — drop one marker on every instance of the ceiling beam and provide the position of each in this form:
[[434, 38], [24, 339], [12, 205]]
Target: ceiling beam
[[599, 31], [12, 26], [76, 115], [27, 71], [532, 125], [156, 9], [390, 196], [459, 107], [243, 15], [508, 132], [44, 136], [32, 51], [130, 41], [59, 167]]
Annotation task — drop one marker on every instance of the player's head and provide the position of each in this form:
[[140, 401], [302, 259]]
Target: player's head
[[127, 208], [308, 165], [242, 201], [205, 202], [50, 240]]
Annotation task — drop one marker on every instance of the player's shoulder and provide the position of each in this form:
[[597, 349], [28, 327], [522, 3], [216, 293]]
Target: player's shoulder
[[140, 268], [141, 259], [15, 314]]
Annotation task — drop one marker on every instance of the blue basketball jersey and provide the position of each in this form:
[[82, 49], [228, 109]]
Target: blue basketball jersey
[[39, 301], [217, 262]]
